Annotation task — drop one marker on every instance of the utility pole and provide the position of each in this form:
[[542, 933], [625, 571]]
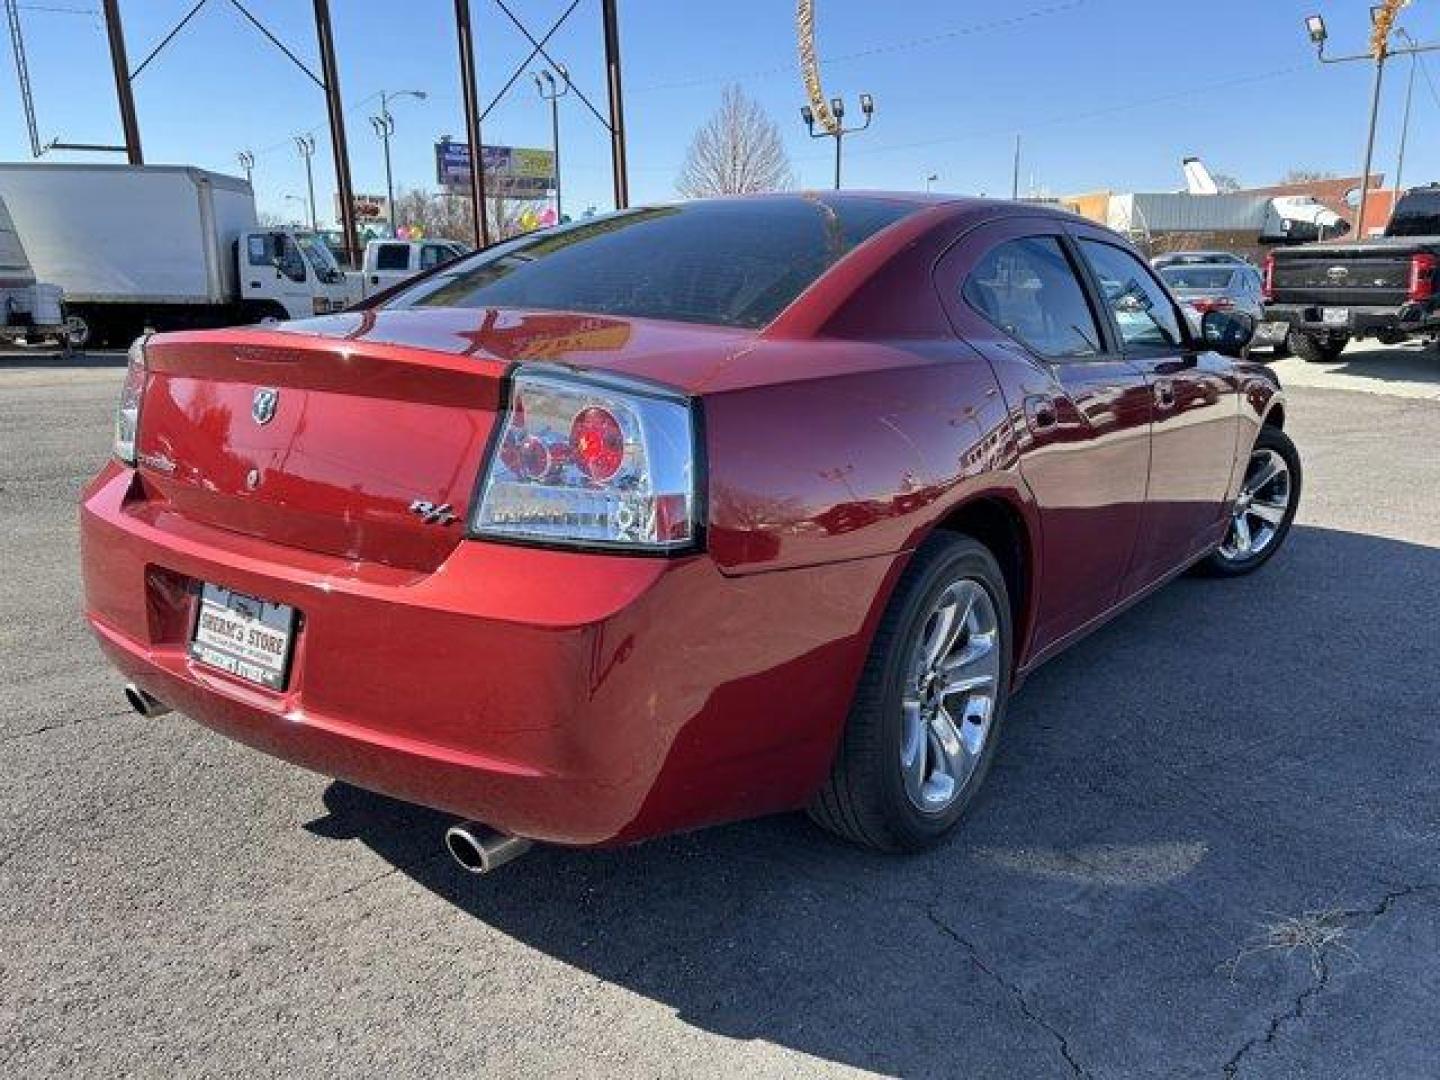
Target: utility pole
[[124, 92], [1015, 172], [384, 126], [247, 162], [838, 131], [1405, 123], [552, 92], [1383, 17], [469, 95], [306, 145], [618, 166], [331, 73]]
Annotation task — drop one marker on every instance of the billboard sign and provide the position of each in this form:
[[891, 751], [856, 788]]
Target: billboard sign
[[511, 172], [369, 209]]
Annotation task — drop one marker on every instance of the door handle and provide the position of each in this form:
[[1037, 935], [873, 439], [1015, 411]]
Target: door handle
[[1040, 413], [1164, 394]]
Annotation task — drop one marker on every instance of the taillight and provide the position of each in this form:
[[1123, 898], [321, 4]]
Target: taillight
[[127, 414], [1267, 284], [1212, 303], [591, 461], [1422, 277]]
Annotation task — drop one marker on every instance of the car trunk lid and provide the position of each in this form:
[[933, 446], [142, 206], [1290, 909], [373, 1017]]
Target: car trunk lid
[[369, 453]]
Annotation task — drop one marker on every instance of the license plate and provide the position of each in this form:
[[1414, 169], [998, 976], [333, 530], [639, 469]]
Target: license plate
[[246, 637], [1335, 316], [1269, 332]]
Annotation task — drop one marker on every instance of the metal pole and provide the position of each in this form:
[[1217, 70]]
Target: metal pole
[[1370, 145], [1405, 126], [555, 139], [469, 94], [839, 134], [386, 127], [124, 92], [617, 106], [331, 72], [306, 145]]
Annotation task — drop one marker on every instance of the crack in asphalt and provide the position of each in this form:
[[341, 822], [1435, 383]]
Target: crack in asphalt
[[1363, 918], [61, 724], [1010, 988]]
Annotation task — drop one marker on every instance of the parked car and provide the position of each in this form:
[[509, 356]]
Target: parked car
[[1198, 258], [1319, 298], [1206, 287], [681, 514]]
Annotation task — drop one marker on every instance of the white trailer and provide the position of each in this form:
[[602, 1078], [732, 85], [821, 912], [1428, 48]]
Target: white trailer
[[163, 247]]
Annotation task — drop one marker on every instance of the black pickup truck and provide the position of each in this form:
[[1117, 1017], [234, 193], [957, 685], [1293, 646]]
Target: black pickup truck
[[1321, 296]]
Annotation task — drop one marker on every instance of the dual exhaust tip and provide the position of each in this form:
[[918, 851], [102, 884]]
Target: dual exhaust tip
[[478, 848]]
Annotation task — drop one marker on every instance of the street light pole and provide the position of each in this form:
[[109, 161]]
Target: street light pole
[[1405, 123], [552, 91], [247, 162], [306, 145], [1383, 17], [839, 130], [384, 126]]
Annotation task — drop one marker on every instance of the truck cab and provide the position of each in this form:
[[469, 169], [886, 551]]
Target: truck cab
[[285, 274], [389, 262]]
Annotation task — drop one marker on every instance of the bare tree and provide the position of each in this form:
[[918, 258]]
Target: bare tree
[[448, 217], [1227, 184], [737, 151]]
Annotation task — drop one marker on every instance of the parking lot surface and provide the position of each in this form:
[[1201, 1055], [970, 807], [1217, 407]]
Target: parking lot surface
[[1210, 845]]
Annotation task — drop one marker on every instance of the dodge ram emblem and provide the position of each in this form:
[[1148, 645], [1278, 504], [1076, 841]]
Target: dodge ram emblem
[[264, 404]]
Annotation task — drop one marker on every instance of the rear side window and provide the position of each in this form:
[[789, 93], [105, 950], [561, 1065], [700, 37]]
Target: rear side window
[[393, 257], [726, 262], [1143, 311], [433, 255], [1028, 289], [1416, 214]]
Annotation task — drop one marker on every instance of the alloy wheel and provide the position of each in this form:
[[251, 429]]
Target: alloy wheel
[[1260, 508], [948, 705]]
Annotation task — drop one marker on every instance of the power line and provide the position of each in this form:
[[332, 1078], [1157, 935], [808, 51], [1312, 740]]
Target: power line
[[876, 50]]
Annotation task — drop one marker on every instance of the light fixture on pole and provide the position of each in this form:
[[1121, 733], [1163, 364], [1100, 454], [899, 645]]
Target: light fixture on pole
[[306, 145], [552, 91], [384, 126], [930, 180], [1382, 18], [247, 162], [838, 130]]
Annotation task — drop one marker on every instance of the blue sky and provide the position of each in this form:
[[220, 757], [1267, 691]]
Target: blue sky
[[1106, 93]]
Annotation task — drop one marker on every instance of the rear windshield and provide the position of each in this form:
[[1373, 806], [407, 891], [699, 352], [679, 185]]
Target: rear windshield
[[1197, 277], [1416, 214], [724, 262]]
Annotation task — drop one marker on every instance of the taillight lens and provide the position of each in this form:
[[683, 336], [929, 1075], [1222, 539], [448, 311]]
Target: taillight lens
[[1267, 284], [127, 414], [1422, 277], [1212, 303], [588, 461]]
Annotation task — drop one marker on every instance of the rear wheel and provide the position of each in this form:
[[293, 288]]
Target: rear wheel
[[1265, 508], [1316, 350], [923, 726]]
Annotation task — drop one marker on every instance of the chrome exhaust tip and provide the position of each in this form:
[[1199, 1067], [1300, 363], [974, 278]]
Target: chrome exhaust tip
[[147, 706], [480, 849]]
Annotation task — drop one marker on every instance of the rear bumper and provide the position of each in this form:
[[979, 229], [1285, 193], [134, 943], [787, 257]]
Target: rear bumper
[[567, 697], [1361, 322]]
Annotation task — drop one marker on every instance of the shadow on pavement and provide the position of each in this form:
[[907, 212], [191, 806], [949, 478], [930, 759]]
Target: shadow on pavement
[[1226, 753], [54, 360]]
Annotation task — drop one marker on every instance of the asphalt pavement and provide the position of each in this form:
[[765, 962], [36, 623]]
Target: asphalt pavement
[[1210, 845]]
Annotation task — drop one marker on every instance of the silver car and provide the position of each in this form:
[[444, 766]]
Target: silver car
[[1202, 287]]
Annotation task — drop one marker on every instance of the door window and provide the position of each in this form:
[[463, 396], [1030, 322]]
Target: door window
[[433, 255], [1028, 289], [393, 257], [1143, 311]]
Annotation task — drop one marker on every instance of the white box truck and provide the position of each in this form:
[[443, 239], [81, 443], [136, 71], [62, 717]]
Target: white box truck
[[163, 247]]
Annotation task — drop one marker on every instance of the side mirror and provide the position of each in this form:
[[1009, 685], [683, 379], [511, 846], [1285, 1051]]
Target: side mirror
[[1227, 332]]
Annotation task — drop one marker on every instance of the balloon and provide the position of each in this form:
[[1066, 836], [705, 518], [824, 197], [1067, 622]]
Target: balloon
[[547, 216], [528, 220]]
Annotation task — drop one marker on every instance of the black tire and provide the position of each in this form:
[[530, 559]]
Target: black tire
[[864, 799], [1221, 563], [1314, 350]]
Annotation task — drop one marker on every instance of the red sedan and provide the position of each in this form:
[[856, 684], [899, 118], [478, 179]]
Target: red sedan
[[679, 515]]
